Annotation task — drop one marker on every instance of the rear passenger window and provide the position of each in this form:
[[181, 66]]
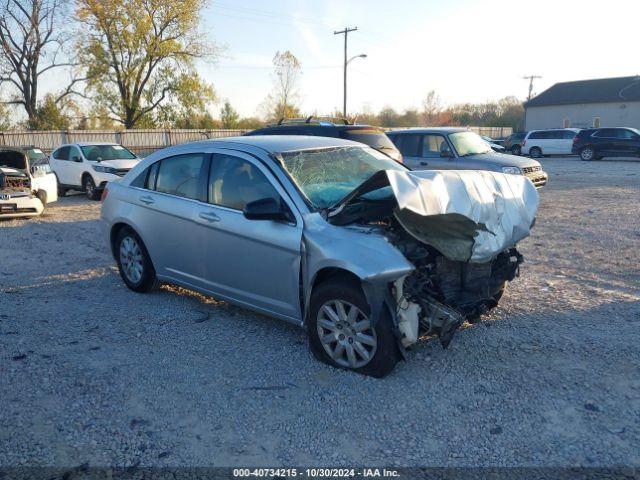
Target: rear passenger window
[[234, 182], [180, 176], [407, 144], [568, 134], [61, 154]]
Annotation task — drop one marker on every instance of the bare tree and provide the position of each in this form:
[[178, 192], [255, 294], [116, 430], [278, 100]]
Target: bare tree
[[281, 103], [32, 40]]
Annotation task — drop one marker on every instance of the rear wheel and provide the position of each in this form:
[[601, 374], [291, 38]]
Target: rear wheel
[[535, 152], [134, 262], [89, 187], [341, 333], [587, 154], [516, 150]]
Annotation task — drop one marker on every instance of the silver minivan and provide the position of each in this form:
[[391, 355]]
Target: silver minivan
[[324, 233]]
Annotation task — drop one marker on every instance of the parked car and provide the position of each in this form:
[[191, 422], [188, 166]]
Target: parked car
[[89, 166], [374, 137], [26, 187], [324, 233], [513, 142], [454, 148], [595, 143], [538, 143], [496, 147]]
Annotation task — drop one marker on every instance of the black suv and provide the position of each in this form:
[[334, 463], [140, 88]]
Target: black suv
[[595, 143], [371, 136]]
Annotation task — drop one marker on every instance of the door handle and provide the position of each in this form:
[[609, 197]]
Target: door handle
[[209, 217], [147, 200], [424, 164]]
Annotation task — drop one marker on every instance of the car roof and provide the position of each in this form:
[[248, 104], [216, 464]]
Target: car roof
[[429, 130], [90, 144], [274, 143], [555, 129]]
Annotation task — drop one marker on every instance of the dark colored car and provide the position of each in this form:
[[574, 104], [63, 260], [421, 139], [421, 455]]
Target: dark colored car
[[456, 148], [513, 142], [595, 143], [374, 137]]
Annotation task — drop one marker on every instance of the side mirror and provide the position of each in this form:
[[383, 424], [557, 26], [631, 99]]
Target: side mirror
[[446, 153], [267, 209], [76, 158]]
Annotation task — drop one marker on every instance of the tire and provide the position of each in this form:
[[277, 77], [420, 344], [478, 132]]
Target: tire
[[535, 152], [587, 154], [516, 150], [62, 192], [89, 187], [381, 345], [134, 263]]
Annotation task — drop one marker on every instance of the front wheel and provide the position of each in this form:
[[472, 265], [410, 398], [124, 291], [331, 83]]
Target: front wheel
[[341, 333], [535, 152], [134, 262], [516, 150], [90, 189], [587, 154]]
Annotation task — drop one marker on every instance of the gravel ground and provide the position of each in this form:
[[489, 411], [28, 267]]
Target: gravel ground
[[94, 373]]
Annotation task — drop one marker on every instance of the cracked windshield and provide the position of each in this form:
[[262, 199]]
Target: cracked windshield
[[326, 176]]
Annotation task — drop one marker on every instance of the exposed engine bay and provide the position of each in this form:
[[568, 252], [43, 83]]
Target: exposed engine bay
[[24, 192], [459, 231]]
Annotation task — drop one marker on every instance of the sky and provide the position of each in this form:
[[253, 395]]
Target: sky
[[467, 51]]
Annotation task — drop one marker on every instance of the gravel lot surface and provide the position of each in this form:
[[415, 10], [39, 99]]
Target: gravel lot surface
[[91, 372]]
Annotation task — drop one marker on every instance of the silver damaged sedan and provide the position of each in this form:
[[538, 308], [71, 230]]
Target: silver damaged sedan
[[325, 233]]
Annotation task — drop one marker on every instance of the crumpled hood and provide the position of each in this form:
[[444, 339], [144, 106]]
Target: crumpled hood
[[467, 215]]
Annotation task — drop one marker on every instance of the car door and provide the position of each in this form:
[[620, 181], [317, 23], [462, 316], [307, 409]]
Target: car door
[[76, 166], [566, 144], [554, 141], [59, 164], [607, 143], [629, 142], [164, 212], [432, 147], [254, 262], [409, 146]]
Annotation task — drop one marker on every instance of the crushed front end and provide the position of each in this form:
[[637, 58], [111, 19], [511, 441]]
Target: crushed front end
[[459, 229]]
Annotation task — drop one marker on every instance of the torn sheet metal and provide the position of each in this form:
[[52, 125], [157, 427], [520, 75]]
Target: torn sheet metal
[[467, 215]]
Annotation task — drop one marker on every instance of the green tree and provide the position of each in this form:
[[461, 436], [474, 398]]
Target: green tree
[[140, 57], [48, 116], [229, 116]]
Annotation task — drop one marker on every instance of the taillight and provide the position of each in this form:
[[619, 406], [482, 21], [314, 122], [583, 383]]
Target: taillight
[[105, 192], [523, 142]]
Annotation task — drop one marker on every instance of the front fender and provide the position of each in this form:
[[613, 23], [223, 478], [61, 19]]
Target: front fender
[[361, 251]]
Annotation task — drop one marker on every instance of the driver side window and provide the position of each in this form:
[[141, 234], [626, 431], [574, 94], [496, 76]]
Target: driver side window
[[433, 145], [74, 154], [234, 182]]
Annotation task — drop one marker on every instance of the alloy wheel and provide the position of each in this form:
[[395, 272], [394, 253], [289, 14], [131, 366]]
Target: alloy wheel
[[586, 154], [346, 334], [89, 187], [131, 259]]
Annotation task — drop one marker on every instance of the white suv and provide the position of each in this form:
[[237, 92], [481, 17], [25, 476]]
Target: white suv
[[89, 166], [549, 142]]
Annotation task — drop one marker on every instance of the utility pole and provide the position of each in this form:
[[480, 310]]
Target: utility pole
[[344, 98], [531, 78]]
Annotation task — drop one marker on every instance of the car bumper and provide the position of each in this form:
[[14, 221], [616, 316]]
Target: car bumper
[[539, 178], [27, 206]]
